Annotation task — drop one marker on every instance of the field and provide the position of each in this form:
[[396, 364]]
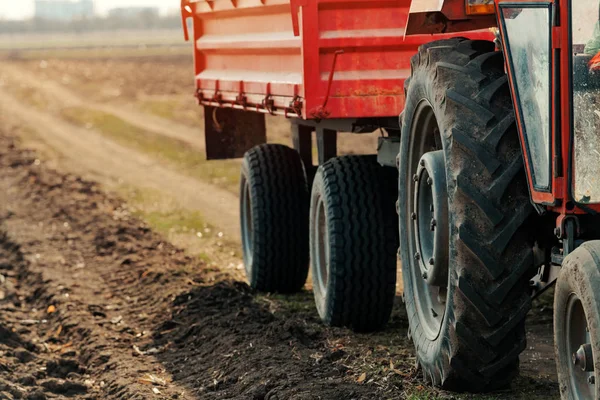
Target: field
[[120, 269]]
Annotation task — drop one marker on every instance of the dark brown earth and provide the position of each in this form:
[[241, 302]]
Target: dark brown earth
[[94, 305]]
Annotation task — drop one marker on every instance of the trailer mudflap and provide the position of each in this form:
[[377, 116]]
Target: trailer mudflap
[[230, 133]]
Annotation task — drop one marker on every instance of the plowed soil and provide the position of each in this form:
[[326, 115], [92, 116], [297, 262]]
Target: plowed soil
[[95, 305]]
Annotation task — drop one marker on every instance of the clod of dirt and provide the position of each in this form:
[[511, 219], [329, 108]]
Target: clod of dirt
[[37, 395], [27, 380], [66, 388], [11, 389], [62, 368], [24, 356]]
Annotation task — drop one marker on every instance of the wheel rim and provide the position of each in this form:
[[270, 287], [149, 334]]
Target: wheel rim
[[576, 342], [247, 228], [321, 236], [429, 291]]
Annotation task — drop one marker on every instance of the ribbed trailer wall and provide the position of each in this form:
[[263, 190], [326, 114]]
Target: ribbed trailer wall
[[349, 59]]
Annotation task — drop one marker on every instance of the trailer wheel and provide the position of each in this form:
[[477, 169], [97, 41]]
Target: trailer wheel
[[353, 242], [576, 319], [464, 205], [274, 204]]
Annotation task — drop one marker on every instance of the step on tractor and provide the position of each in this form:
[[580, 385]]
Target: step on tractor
[[485, 183]]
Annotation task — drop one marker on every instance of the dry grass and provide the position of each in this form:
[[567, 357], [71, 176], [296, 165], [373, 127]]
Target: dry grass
[[172, 151]]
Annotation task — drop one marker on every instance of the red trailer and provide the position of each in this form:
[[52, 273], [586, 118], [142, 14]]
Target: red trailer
[[484, 182], [341, 63]]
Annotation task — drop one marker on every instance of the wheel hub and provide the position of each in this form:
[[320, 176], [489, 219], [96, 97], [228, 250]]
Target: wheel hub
[[430, 218], [577, 344], [584, 358]]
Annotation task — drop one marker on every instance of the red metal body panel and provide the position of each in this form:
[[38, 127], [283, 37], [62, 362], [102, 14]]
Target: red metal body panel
[[349, 60]]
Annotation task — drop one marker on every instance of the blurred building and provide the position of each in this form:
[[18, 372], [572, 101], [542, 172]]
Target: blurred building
[[64, 10], [133, 12]]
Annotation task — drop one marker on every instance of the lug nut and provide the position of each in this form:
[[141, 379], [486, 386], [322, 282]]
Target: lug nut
[[432, 225], [417, 256], [422, 163], [424, 275], [413, 216], [429, 181], [415, 178], [431, 261]]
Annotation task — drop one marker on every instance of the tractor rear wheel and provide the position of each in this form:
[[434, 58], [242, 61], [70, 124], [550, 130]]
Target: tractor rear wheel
[[274, 218], [576, 323], [464, 203], [353, 242]]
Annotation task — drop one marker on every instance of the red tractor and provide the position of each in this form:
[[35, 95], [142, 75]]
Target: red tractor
[[489, 182]]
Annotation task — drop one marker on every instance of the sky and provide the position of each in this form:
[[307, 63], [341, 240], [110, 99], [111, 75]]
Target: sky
[[19, 9]]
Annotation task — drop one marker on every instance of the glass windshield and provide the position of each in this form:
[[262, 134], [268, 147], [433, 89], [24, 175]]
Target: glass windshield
[[527, 31], [586, 100]]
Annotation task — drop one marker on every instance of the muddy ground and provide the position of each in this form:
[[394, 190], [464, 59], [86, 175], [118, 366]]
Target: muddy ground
[[95, 305]]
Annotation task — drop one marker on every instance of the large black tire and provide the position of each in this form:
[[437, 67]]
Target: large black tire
[[577, 322], [354, 241], [274, 204], [488, 251]]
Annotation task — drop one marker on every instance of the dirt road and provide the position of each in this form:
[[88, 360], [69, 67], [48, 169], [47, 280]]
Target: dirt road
[[59, 95], [89, 152]]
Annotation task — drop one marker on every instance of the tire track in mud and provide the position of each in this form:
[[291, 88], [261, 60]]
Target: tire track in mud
[[92, 153], [67, 98]]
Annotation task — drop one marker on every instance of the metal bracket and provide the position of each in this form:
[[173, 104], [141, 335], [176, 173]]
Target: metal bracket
[[186, 12], [321, 112], [567, 229]]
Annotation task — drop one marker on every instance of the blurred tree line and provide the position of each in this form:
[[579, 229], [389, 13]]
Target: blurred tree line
[[143, 20]]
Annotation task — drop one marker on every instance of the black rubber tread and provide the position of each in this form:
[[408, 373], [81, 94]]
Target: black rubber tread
[[491, 255], [279, 202], [359, 198]]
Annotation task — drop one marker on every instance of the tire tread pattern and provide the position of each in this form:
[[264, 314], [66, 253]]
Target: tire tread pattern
[[279, 201], [360, 197], [490, 201]]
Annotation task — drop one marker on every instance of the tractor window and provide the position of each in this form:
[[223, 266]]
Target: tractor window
[[527, 41], [586, 100]]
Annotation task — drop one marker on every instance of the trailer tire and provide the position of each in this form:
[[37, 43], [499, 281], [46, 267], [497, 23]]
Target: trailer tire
[[354, 242], [465, 278], [274, 203]]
